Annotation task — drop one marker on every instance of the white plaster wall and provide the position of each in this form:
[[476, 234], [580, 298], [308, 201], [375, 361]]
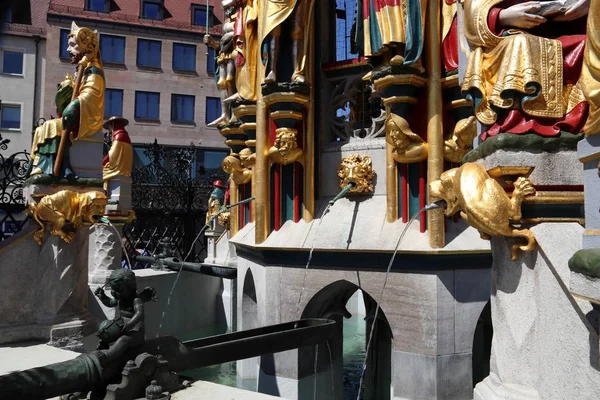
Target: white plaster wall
[[19, 90]]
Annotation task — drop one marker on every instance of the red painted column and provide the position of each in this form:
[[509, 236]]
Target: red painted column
[[297, 188], [422, 196], [404, 191], [277, 197]]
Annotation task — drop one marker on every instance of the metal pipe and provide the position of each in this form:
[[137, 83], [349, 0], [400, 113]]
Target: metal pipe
[[341, 194], [435, 133], [89, 371], [175, 264]]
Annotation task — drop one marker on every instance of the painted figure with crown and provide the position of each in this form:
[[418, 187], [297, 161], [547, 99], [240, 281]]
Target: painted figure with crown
[[80, 107]]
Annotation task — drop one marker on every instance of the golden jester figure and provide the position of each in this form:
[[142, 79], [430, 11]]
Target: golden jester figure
[[80, 106]]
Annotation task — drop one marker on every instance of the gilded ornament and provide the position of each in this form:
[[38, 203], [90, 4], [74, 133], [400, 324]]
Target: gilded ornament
[[461, 141], [407, 146], [590, 73], [224, 218], [273, 13], [66, 205], [511, 68], [484, 204], [240, 171], [285, 150], [358, 170]]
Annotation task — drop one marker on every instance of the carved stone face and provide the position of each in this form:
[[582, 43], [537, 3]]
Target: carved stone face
[[75, 53], [398, 138], [286, 142], [358, 170]]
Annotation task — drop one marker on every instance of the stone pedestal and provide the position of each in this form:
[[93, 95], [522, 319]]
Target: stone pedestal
[[105, 252], [588, 151], [545, 343], [45, 290], [86, 156], [119, 195]]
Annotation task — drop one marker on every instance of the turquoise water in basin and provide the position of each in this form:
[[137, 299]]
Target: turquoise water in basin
[[354, 353]]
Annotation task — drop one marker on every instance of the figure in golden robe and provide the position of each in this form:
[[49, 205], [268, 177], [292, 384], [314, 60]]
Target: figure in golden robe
[[119, 160], [247, 47], [273, 14], [523, 73], [81, 117], [590, 75]]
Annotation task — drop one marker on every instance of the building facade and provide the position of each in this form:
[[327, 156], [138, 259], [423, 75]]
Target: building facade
[[159, 74], [22, 55]]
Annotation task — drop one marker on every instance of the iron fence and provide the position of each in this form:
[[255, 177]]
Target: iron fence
[[12, 201], [170, 195]]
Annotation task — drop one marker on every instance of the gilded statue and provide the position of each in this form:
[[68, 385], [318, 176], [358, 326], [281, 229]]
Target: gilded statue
[[225, 61], [273, 14], [285, 149], [80, 106], [407, 146], [484, 204], [590, 74], [127, 329], [224, 218], [216, 200], [461, 140], [247, 46], [119, 160], [523, 73], [391, 32], [239, 167], [66, 205], [358, 170]]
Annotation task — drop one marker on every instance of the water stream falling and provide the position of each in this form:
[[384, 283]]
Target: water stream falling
[[432, 206], [341, 194], [206, 226]]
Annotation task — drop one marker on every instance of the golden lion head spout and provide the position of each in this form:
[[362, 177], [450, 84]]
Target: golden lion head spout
[[358, 170], [67, 206], [483, 202]]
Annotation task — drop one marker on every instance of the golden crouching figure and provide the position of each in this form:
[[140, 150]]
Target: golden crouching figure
[[483, 203], [66, 205], [357, 169]]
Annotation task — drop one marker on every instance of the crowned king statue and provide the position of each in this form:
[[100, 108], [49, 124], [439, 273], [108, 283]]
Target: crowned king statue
[[80, 107]]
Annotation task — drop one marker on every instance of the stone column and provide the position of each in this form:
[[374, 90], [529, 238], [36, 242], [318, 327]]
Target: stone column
[[544, 344]]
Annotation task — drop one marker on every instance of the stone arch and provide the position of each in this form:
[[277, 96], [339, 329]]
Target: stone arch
[[482, 345], [330, 302], [248, 369]]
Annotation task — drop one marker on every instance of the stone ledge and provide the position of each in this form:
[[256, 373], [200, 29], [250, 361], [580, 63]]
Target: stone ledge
[[358, 224], [562, 168]]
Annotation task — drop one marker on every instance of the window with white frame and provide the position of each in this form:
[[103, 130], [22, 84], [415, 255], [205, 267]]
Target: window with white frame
[[12, 62], [10, 116]]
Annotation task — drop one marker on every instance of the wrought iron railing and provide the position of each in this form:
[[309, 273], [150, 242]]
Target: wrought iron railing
[[12, 202], [170, 198]]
